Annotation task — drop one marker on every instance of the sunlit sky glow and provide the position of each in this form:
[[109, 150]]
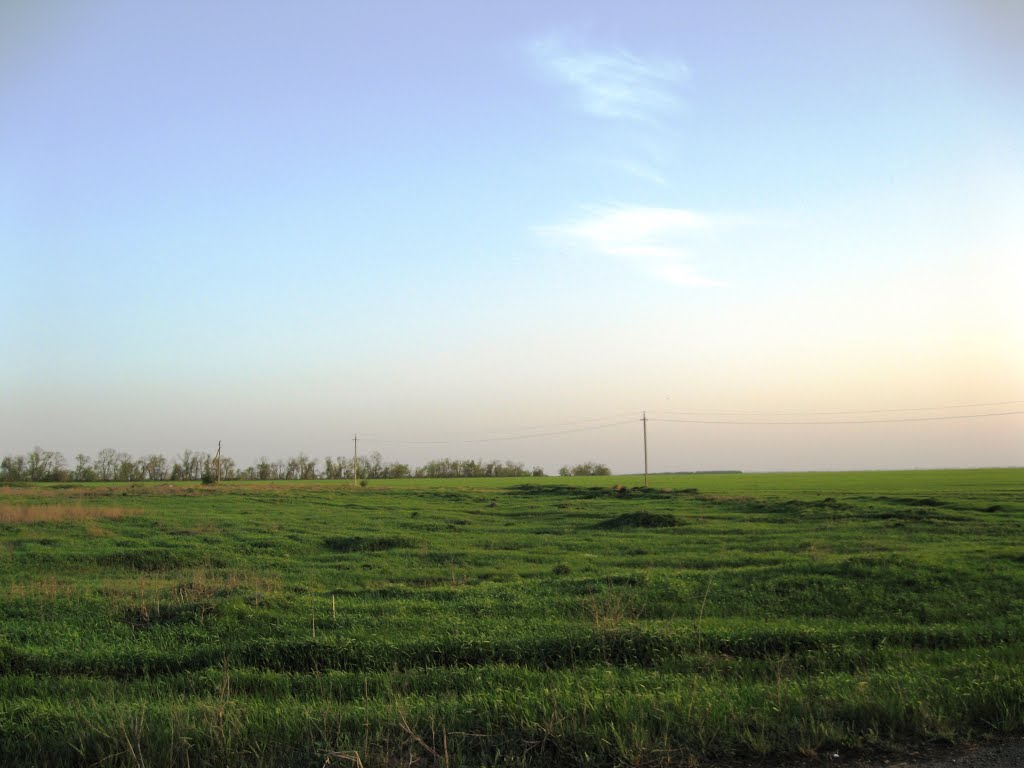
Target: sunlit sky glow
[[278, 224]]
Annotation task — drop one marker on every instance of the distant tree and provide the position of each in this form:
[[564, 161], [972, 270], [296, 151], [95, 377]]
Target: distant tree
[[106, 464], [12, 468], [371, 467], [84, 471], [307, 467], [397, 471], [154, 467], [374, 466], [471, 468], [36, 464], [39, 466], [190, 465], [586, 469], [511, 469], [337, 468], [228, 468], [300, 467], [263, 469], [42, 465], [129, 469]]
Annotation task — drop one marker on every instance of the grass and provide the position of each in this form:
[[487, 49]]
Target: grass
[[639, 520], [564, 621], [55, 513]]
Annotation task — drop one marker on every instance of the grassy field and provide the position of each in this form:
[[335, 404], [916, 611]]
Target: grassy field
[[534, 622]]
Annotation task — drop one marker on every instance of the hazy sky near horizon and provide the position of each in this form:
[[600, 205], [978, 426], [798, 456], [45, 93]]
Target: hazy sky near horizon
[[279, 224]]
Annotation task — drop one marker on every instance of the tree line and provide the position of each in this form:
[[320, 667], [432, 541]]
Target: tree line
[[40, 465], [587, 469]]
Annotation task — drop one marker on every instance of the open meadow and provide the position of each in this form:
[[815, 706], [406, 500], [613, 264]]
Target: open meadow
[[512, 622]]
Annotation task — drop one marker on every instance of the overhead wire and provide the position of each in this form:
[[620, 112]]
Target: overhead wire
[[502, 438], [843, 421], [552, 425], [589, 425], [838, 413]]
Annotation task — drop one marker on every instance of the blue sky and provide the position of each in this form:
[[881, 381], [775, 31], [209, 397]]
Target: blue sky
[[276, 225]]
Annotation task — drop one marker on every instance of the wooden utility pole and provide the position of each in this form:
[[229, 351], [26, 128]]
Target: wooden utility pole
[[355, 459], [218, 462], [645, 448]]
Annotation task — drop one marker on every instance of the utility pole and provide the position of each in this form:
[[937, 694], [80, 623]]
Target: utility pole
[[645, 448], [355, 460], [218, 462]]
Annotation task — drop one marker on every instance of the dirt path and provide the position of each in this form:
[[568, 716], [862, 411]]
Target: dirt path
[[998, 753], [1003, 753]]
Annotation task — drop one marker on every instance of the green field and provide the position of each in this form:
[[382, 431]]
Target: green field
[[533, 622]]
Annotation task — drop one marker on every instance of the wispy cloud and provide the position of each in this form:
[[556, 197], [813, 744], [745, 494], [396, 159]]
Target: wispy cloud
[[643, 171], [616, 84], [644, 95], [655, 239]]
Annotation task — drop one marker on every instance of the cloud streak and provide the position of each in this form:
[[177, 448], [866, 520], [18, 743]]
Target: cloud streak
[[646, 94], [616, 85], [654, 238]]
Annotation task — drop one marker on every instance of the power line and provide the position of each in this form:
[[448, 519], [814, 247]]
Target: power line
[[589, 426], [836, 413], [578, 422], [502, 438], [847, 421]]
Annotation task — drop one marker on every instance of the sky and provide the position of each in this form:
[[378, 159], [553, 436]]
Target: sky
[[507, 230]]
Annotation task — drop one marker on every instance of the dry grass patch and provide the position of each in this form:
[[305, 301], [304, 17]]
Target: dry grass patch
[[96, 531], [47, 588], [58, 513], [21, 490]]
